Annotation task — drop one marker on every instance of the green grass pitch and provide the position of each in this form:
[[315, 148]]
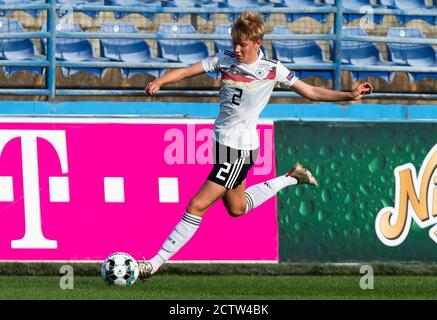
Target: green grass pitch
[[216, 287]]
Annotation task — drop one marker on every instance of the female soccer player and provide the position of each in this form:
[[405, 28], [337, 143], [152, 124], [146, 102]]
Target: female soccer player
[[247, 82]]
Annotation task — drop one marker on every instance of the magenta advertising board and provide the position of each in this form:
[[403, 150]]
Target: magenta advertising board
[[78, 189]]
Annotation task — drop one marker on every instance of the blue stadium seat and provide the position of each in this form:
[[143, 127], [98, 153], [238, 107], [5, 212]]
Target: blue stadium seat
[[179, 50], [34, 13], [418, 55], [222, 45], [245, 4], [410, 5], [362, 53], [300, 4], [77, 50], [128, 50], [190, 4], [299, 52], [134, 4], [66, 7], [358, 4], [17, 49]]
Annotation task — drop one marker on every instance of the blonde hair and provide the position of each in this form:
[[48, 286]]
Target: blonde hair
[[248, 26]]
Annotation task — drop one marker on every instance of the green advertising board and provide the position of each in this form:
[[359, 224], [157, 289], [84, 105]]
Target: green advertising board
[[355, 164]]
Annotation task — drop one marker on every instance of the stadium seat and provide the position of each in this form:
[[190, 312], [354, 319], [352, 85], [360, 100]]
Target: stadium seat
[[17, 49], [299, 52], [245, 4], [411, 5], [76, 50], [66, 7], [363, 53], [34, 13], [222, 45], [134, 4], [192, 4], [128, 50], [418, 55], [360, 5], [300, 4], [180, 50]]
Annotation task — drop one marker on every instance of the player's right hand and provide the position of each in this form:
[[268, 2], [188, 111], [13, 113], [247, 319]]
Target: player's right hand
[[152, 87]]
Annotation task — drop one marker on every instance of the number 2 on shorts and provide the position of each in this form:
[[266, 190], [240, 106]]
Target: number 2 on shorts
[[223, 170]]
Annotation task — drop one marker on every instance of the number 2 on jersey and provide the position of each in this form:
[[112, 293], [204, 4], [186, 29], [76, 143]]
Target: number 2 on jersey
[[237, 96]]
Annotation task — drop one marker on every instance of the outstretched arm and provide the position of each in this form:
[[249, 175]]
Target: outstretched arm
[[321, 94], [174, 76]]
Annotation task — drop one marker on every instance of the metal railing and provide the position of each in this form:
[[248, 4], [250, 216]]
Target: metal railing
[[337, 38]]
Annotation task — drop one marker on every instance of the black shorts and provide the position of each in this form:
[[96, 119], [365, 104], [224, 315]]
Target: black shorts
[[231, 165]]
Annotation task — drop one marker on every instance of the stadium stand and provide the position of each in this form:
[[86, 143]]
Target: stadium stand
[[362, 53], [70, 49], [190, 4], [222, 45], [417, 55], [410, 5], [359, 54], [299, 52], [66, 7], [17, 49], [246, 5], [128, 50], [34, 13], [301, 4], [363, 5], [134, 4], [186, 51]]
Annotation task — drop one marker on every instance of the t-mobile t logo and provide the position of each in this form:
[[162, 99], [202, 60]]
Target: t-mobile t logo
[[33, 237]]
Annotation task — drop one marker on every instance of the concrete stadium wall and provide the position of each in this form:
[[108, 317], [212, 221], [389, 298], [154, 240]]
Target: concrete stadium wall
[[176, 110]]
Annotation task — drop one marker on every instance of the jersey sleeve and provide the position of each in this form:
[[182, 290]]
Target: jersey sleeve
[[284, 77], [211, 63]]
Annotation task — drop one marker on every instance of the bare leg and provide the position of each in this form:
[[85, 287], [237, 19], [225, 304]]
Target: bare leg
[[209, 193], [235, 200]]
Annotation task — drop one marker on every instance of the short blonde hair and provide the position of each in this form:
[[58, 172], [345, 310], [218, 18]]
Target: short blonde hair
[[249, 26]]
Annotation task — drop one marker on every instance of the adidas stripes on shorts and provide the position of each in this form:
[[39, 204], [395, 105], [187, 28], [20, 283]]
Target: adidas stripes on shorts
[[231, 165]]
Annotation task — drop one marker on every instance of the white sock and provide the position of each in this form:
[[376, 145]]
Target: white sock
[[259, 193], [180, 235]]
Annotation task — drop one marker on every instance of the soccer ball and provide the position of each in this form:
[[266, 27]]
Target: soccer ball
[[120, 269]]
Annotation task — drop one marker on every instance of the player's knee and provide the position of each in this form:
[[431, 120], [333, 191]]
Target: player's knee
[[196, 207], [236, 212]]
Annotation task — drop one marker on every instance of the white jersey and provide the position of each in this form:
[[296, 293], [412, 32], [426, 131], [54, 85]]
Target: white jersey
[[245, 91]]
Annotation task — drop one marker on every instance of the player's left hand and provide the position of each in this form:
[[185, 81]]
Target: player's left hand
[[361, 90]]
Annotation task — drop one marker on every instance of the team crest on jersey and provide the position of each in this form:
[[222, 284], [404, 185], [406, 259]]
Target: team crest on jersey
[[260, 72]]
